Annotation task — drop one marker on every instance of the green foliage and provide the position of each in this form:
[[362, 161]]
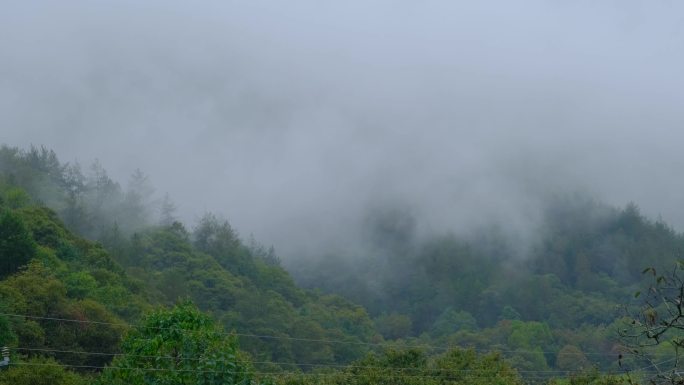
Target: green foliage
[[40, 371], [80, 284], [178, 346], [68, 278], [393, 326], [510, 313], [466, 367], [16, 244], [14, 197], [220, 240], [246, 293], [409, 367], [527, 335], [592, 377], [84, 267], [45, 226], [7, 335], [544, 305], [451, 321], [584, 263], [36, 291]]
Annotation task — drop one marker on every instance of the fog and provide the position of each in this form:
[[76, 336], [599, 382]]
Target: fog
[[294, 119]]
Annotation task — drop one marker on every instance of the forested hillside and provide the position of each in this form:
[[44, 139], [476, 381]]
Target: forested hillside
[[557, 293], [89, 270], [131, 266]]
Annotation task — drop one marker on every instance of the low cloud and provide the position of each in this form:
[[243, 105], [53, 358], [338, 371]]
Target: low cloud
[[294, 119]]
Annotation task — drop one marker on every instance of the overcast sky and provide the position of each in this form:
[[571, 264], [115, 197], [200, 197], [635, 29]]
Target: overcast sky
[[293, 118]]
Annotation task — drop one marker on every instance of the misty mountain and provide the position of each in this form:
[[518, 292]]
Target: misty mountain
[[295, 119], [401, 192], [132, 266], [486, 289]]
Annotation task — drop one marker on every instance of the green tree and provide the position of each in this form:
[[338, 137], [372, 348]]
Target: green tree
[[178, 346], [7, 336], [36, 291], [592, 377], [15, 197], [460, 366], [414, 367], [451, 321], [220, 240], [16, 244], [40, 371]]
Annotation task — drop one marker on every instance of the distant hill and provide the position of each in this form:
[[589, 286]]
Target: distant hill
[[77, 245], [132, 263]]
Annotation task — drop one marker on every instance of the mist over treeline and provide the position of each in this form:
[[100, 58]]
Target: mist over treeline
[[297, 119], [339, 183], [444, 287], [88, 200]]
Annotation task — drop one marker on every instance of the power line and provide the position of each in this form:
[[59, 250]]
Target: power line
[[272, 362], [532, 374], [328, 341], [524, 374]]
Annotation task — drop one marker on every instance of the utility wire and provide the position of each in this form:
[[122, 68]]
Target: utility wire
[[261, 336], [532, 374], [272, 362], [526, 374], [328, 341], [655, 364]]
